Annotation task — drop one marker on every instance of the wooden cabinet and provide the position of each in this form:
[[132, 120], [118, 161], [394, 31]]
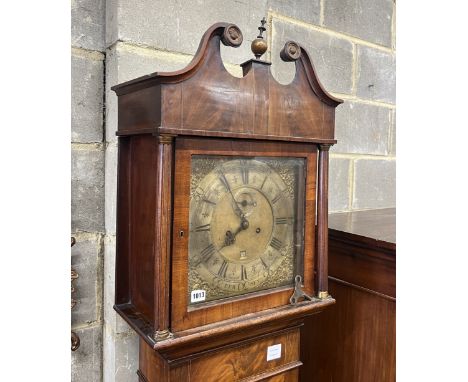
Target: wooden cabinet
[[354, 340]]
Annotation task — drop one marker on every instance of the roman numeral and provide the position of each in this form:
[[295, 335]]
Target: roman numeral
[[224, 181], [277, 197], [207, 253], [263, 262], [204, 227], [276, 244], [243, 273], [244, 172], [283, 220], [209, 202], [264, 180], [223, 269]]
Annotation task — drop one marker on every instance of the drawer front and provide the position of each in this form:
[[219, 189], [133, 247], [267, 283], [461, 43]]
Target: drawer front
[[245, 361]]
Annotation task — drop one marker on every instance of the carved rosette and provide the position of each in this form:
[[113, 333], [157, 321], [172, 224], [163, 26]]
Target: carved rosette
[[291, 51], [232, 36]]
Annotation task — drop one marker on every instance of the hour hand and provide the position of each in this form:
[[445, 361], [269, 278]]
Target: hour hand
[[230, 237]]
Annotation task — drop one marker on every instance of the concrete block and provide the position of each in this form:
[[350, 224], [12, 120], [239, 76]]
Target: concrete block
[[304, 10], [87, 75], [87, 196], [332, 56], [88, 24], [177, 26], [369, 20], [362, 129], [374, 184], [111, 318], [393, 134], [120, 357], [111, 188], [112, 22], [375, 74], [125, 62], [339, 184], [87, 260], [86, 361]]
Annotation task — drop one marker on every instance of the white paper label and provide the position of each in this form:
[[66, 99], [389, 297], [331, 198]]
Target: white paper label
[[273, 352], [197, 295]]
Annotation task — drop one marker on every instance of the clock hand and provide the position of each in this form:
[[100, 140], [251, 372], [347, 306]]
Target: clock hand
[[237, 210], [231, 237]]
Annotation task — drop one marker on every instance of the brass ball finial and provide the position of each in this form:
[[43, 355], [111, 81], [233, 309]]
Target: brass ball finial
[[259, 45]]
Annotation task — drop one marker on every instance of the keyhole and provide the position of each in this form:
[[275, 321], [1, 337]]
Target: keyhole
[[181, 233]]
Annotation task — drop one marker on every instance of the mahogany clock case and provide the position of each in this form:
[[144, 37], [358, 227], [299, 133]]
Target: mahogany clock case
[[164, 118]]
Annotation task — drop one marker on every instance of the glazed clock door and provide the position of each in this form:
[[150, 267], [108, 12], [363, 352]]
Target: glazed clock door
[[241, 232]]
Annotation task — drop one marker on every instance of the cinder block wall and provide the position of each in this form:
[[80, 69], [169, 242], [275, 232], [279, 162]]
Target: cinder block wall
[[352, 44]]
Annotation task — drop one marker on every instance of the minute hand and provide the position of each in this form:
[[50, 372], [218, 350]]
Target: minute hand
[[237, 210]]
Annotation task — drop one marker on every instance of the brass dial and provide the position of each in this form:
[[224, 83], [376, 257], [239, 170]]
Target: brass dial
[[242, 226]]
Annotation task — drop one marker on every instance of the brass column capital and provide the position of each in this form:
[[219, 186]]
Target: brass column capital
[[322, 295], [166, 139], [324, 146]]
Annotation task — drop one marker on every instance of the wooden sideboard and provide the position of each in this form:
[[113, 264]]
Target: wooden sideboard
[[354, 340]]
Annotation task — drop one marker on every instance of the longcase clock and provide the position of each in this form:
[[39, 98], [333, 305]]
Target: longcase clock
[[222, 214]]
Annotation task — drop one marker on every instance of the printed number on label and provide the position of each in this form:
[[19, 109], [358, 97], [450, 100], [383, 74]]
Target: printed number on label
[[197, 295]]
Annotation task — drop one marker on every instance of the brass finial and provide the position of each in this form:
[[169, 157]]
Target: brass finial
[[259, 45]]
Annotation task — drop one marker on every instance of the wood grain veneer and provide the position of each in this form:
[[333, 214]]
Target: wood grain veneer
[[354, 340]]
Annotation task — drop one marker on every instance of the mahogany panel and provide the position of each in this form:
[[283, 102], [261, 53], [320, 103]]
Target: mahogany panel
[[322, 221], [162, 232], [205, 96], [239, 362], [245, 360], [140, 109], [122, 264], [143, 227], [357, 266], [363, 248], [354, 340]]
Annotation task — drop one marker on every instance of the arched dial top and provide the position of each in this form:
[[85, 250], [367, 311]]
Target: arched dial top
[[245, 227]]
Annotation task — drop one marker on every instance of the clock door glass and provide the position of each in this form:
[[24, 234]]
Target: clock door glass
[[246, 225]]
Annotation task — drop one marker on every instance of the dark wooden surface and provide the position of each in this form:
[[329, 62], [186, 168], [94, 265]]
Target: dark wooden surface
[[372, 224], [354, 340], [205, 97], [240, 361], [322, 220]]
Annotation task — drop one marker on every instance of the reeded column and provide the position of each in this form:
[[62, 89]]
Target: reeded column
[[322, 222], [163, 235]]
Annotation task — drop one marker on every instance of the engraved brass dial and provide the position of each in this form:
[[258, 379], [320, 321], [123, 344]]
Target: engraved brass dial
[[243, 224]]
